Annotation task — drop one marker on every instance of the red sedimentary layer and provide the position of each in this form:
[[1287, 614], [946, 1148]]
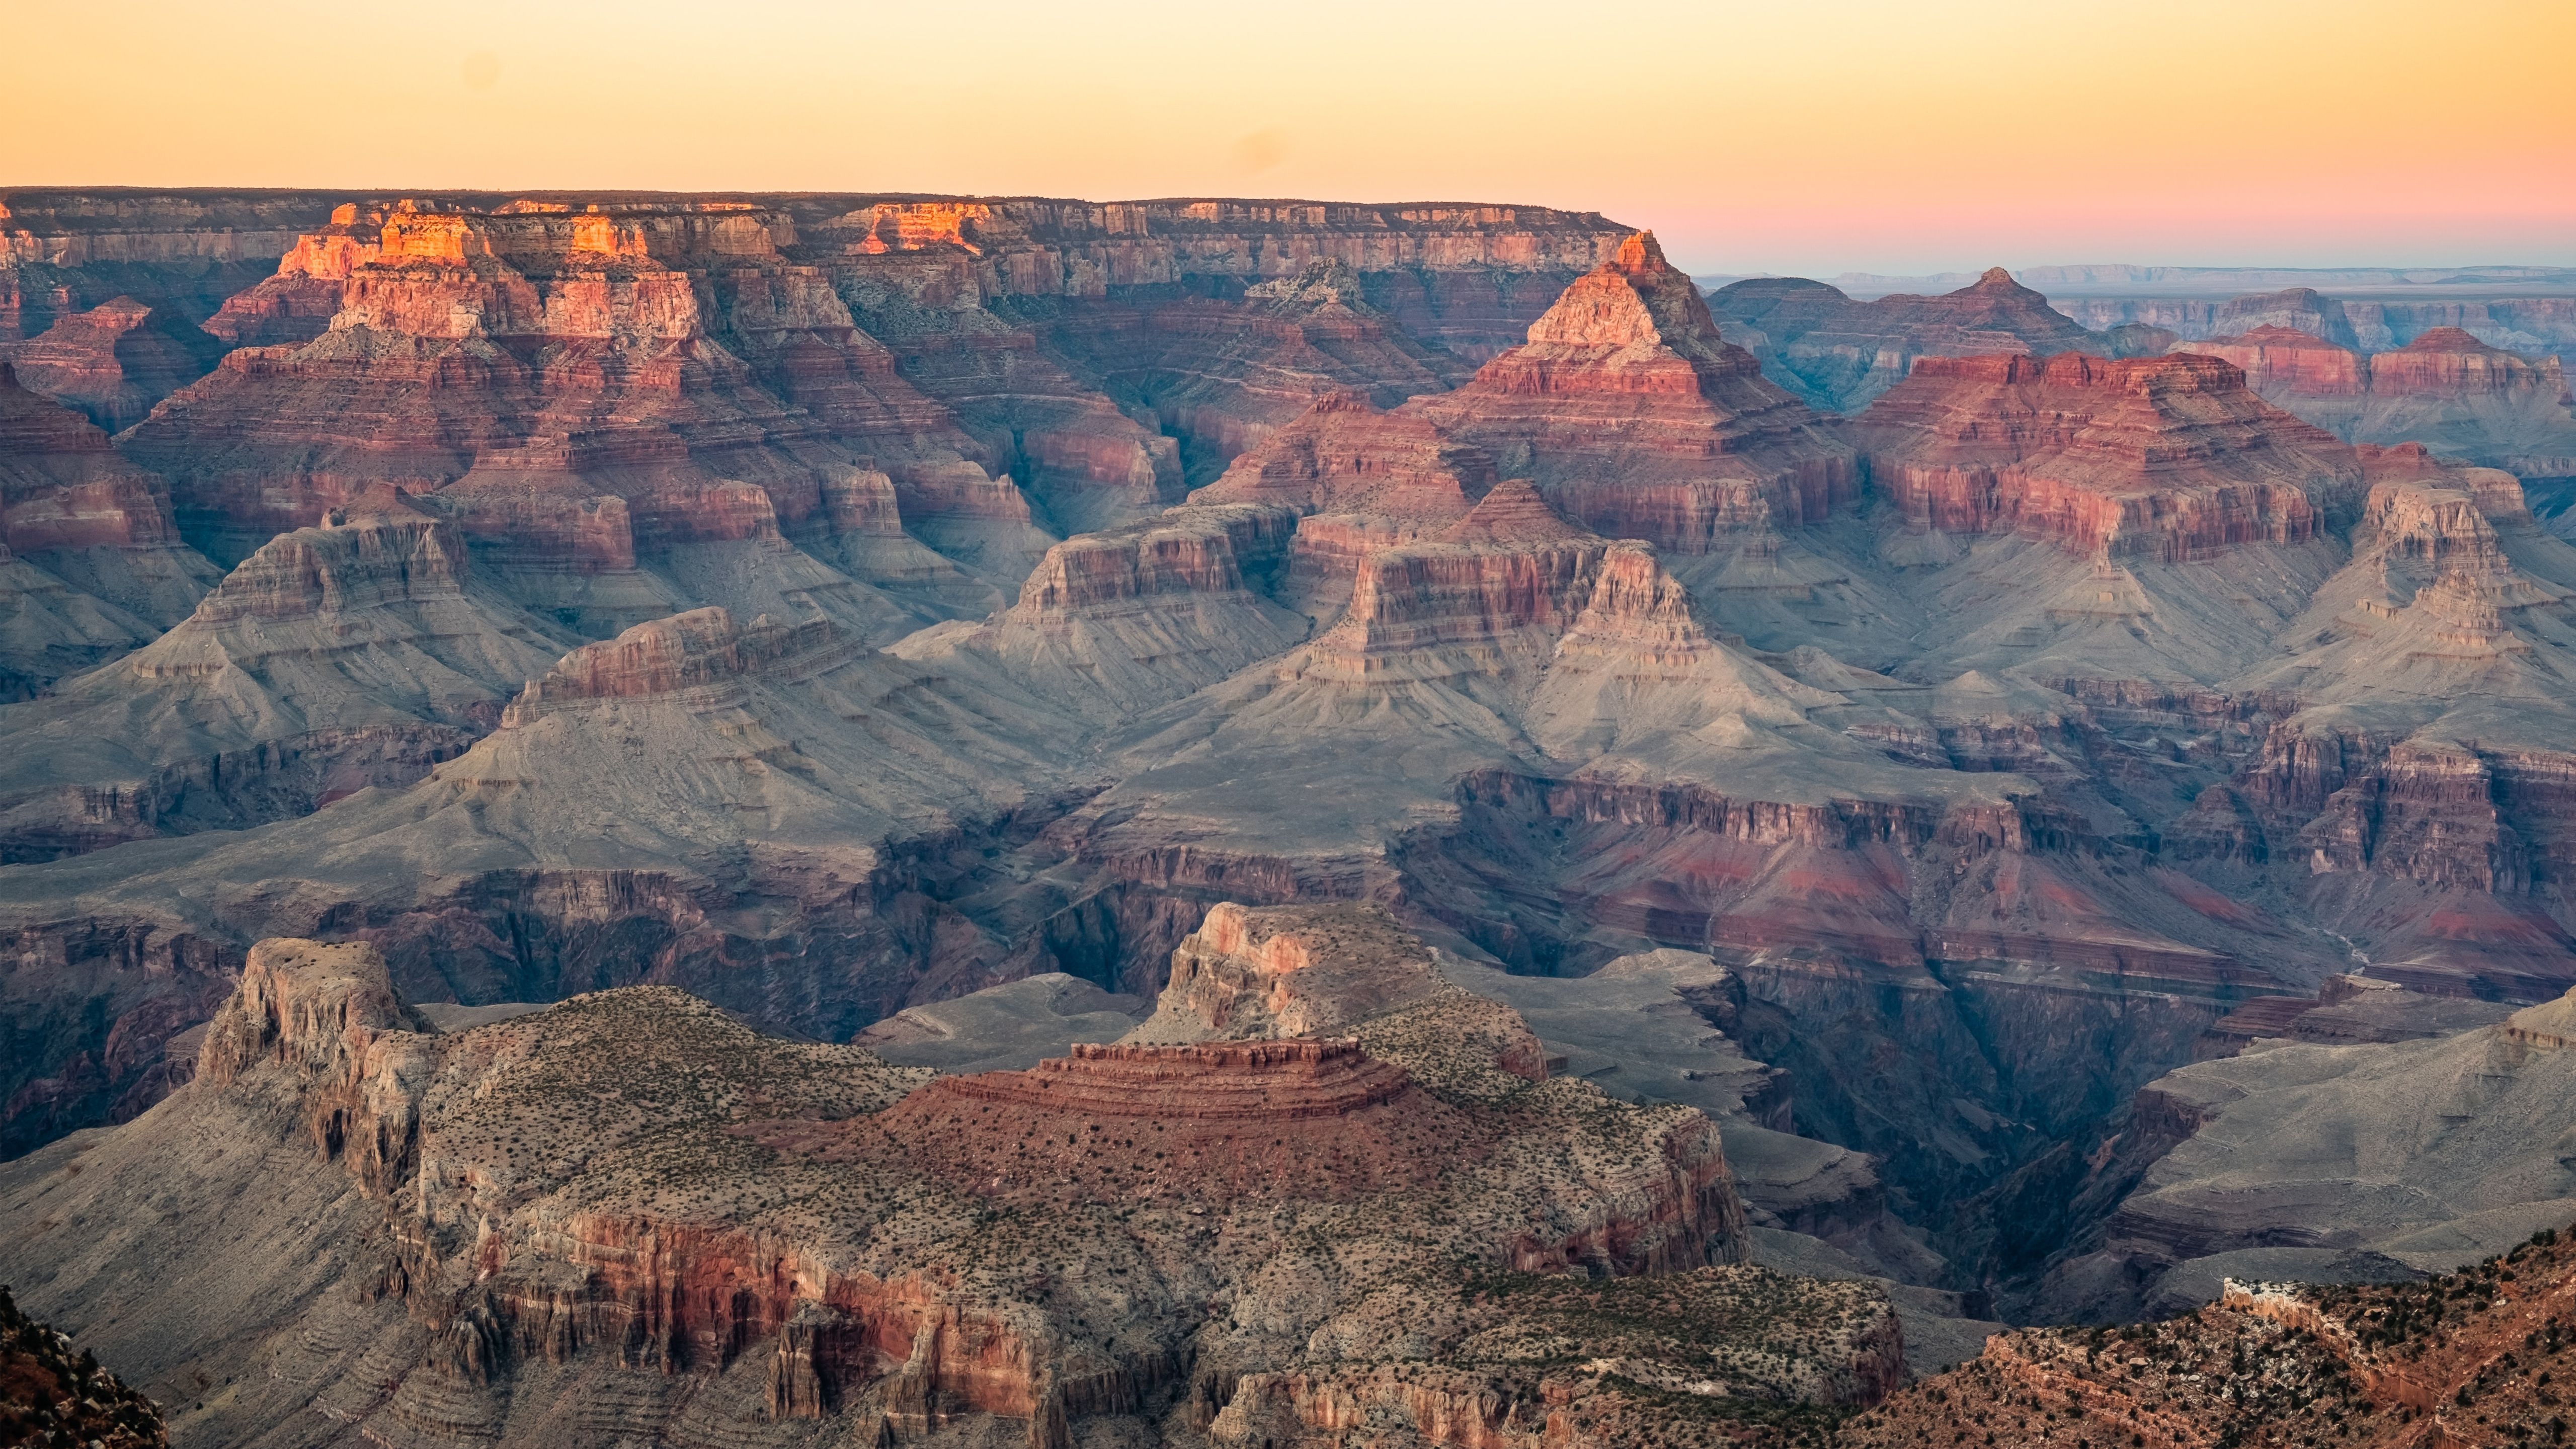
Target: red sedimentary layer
[[2283, 362], [2449, 362], [1189, 551], [1214, 1122], [62, 486], [2173, 457], [114, 361], [638, 347], [1636, 420]]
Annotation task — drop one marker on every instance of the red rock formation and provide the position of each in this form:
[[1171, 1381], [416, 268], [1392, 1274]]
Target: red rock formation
[[635, 347], [1214, 1123], [1840, 354], [90, 562], [2174, 458], [2446, 389], [114, 361], [1467, 278], [2281, 363], [1637, 421], [1224, 376]]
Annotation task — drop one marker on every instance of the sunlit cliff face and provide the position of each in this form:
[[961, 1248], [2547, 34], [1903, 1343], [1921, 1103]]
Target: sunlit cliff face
[[1871, 134]]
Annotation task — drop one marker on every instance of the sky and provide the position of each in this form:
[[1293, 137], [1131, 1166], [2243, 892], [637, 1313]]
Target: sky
[[1804, 136]]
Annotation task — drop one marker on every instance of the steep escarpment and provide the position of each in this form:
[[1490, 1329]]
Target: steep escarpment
[[66, 250], [1224, 375], [1839, 354], [2300, 1158], [630, 1191], [1466, 278]]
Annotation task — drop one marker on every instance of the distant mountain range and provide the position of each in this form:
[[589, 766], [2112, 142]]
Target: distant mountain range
[[2117, 277]]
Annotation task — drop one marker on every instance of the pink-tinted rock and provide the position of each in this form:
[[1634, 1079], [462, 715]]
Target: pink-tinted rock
[[115, 361], [2174, 457], [1840, 354]]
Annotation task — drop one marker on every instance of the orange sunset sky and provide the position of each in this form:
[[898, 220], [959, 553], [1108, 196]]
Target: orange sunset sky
[[1809, 137]]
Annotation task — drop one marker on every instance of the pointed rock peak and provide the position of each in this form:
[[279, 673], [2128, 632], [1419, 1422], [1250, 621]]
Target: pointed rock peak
[[2449, 339], [1994, 282], [1513, 513], [1636, 298], [1641, 253]]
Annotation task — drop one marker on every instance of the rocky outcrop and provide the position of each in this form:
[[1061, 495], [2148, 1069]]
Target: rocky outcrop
[[52, 1391], [1840, 354], [1636, 420], [1115, 623], [806, 1233], [2468, 1356], [666, 356], [2173, 458], [2298, 1158]]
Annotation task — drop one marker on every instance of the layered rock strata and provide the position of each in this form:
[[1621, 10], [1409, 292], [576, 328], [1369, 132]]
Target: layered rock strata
[[1840, 354], [115, 361], [629, 1191], [2172, 458], [2446, 389], [93, 564], [335, 659]]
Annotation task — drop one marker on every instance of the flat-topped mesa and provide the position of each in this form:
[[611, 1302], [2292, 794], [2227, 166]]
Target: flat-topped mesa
[[2282, 363], [1636, 420], [2435, 519], [699, 649], [2448, 362], [2170, 457], [2446, 388], [2294, 309], [114, 361]]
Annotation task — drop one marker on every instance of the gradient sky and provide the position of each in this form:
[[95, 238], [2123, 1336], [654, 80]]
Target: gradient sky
[[1802, 136]]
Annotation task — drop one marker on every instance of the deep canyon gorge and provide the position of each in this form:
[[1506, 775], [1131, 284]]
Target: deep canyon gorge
[[827, 818]]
